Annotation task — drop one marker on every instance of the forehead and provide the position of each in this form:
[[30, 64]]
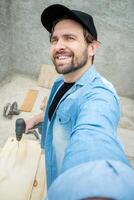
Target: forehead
[[69, 26]]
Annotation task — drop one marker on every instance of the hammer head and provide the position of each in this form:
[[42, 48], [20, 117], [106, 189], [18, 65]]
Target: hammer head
[[20, 128]]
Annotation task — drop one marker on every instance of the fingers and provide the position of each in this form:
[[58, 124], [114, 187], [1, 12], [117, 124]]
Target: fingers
[[29, 131], [29, 126]]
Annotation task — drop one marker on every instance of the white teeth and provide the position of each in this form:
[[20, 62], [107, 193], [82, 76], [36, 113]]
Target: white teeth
[[63, 57]]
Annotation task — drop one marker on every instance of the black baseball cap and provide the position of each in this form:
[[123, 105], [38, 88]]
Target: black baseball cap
[[57, 11]]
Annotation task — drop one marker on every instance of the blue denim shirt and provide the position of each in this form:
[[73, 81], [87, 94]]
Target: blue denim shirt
[[83, 127], [99, 178]]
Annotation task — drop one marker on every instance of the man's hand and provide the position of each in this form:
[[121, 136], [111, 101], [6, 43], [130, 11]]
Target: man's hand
[[30, 123]]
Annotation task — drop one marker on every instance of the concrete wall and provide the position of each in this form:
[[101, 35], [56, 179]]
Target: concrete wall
[[5, 16], [114, 20], [30, 43]]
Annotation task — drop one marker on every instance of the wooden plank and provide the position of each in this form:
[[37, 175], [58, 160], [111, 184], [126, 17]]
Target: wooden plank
[[44, 103], [39, 186], [18, 167], [29, 101], [47, 76]]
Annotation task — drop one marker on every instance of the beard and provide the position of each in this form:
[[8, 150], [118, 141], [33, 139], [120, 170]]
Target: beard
[[75, 63]]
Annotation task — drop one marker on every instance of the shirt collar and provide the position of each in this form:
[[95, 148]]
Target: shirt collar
[[87, 77]]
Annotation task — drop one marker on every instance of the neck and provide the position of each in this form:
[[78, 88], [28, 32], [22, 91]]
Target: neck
[[74, 76]]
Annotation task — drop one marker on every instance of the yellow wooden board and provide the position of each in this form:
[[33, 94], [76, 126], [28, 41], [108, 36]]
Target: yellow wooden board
[[29, 101], [47, 76], [44, 103], [19, 164]]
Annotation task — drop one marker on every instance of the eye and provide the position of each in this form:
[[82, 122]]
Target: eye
[[70, 37], [53, 40]]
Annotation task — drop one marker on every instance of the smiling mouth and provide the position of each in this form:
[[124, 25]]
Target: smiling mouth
[[63, 57]]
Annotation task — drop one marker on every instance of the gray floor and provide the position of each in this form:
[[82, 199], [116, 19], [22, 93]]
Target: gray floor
[[12, 90], [16, 88]]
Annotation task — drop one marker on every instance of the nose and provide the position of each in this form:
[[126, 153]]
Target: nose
[[60, 44]]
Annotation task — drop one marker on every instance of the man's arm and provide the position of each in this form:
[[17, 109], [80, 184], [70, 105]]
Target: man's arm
[[94, 135], [34, 121]]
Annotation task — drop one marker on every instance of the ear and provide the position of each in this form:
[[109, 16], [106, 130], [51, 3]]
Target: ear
[[93, 47]]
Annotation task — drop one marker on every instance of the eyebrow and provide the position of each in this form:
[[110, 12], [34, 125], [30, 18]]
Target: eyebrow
[[69, 34], [64, 35]]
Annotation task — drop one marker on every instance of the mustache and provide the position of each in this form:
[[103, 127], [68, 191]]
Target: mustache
[[63, 53]]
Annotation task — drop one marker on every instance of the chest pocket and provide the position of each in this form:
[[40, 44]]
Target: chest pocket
[[64, 112], [63, 118]]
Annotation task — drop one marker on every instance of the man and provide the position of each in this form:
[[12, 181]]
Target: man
[[82, 114]]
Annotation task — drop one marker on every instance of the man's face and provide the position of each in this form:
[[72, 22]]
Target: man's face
[[69, 50]]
